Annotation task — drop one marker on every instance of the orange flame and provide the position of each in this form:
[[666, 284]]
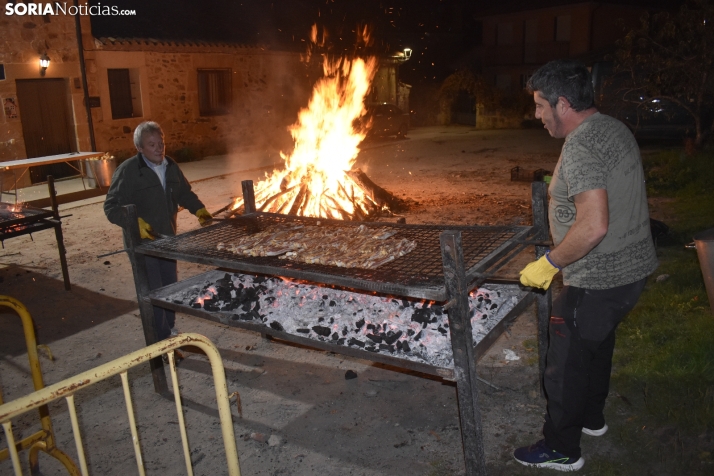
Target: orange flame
[[314, 181]]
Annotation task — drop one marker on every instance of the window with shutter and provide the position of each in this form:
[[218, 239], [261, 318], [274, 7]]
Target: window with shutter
[[214, 92], [120, 93]]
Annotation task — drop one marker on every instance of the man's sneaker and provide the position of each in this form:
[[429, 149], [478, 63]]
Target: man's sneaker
[[174, 332], [599, 432], [178, 357], [540, 456]]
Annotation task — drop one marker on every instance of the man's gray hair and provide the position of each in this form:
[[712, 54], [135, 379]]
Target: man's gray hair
[[567, 78], [146, 127]]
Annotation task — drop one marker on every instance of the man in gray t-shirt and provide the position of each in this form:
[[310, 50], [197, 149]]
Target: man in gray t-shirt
[[600, 227]]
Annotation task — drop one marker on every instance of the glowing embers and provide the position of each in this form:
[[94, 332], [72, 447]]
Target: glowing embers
[[414, 330]]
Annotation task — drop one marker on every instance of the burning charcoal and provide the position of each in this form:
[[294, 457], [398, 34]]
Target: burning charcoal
[[421, 316], [438, 310], [196, 305], [324, 296], [354, 341], [405, 303], [270, 299], [332, 320], [211, 305], [303, 331], [259, 279], [392, 337], [349, 375], [485, 316], [277, 326], [446, 326], [480, 298], [395, 301], [418, 336], [390, 348], [321, 330], [335, 336], [410, 332], [399, 345], [370, 327], [374, 338], [371, 348], [472, 313], [405, 347], [487, 302], [320, 319], [341, 341], [498, 293], [333, 303], [494, 306], [442, 330]]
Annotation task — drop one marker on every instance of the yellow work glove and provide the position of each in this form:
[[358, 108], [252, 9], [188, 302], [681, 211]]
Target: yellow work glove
[[204, 217], [539, 274], [145, 229]]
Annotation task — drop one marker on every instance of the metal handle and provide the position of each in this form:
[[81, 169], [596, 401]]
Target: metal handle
[[691, 246]]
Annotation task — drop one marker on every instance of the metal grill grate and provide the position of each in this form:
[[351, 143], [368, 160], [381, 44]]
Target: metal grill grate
[[421, 268]]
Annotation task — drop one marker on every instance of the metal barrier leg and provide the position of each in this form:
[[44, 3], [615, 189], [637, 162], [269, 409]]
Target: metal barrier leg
[[132, 423], [13, 448], [77, 435], [179, 411]]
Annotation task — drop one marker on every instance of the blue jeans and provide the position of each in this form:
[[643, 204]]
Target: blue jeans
[[579, 360], [162, 272]]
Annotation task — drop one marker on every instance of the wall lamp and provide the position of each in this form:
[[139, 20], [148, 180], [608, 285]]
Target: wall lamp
[[44, 63], [407, 53]]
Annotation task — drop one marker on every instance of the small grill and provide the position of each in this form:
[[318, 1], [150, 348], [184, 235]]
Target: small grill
[[18, 221], [418, 274], [22, 221]]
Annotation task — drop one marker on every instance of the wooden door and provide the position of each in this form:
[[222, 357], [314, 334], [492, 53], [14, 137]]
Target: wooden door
[[47, 124]]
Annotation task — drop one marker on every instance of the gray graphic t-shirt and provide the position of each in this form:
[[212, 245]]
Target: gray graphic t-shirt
[[602, 154]]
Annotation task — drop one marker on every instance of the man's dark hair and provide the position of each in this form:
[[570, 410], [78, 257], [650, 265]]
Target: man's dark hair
[[567, 78]]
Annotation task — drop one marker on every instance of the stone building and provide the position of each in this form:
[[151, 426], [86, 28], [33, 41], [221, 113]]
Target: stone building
[[209, 97]]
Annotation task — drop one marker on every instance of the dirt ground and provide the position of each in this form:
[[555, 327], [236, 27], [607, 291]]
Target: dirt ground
[[384, 422]]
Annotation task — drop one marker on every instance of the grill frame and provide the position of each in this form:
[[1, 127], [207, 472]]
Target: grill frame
[[484, 246], [457, 281]]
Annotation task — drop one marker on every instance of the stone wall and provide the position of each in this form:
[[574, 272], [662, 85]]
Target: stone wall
[[24, 39], [267, 90]]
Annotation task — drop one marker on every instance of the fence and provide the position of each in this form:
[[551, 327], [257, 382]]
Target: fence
[[68, 387]]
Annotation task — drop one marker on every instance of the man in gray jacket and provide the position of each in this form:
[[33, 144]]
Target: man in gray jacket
[[156, 185]]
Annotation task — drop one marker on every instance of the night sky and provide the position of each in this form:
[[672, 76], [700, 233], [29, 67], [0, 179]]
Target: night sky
[[438, 31]]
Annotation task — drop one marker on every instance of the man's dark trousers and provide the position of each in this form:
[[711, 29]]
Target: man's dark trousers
[[579, 360], [162, 272]]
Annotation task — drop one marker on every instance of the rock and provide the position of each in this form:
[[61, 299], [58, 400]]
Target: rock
[[258, 437], [662, 277], [510, 355], [370, 393], [274, 440], [349, 375]]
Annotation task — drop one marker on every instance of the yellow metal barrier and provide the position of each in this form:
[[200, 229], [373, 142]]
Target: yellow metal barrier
[[67, 388], [43, 440]]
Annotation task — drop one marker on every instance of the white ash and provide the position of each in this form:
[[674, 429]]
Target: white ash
[[417, 330]]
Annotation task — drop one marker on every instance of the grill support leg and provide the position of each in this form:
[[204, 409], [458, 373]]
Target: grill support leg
[[539, 205], [58, 232], [141, 281], [248, 196], [462, 345]]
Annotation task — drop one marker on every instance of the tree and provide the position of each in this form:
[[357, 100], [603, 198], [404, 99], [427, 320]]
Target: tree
[[672, 57]]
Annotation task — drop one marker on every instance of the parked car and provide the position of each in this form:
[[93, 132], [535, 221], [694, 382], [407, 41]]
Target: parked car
[[386, 120]]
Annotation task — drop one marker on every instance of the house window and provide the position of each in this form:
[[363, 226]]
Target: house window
[[504, 34], [562, 28], [214, 92], [124, 93]]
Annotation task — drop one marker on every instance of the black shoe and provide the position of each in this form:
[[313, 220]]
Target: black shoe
[[540, 456]]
